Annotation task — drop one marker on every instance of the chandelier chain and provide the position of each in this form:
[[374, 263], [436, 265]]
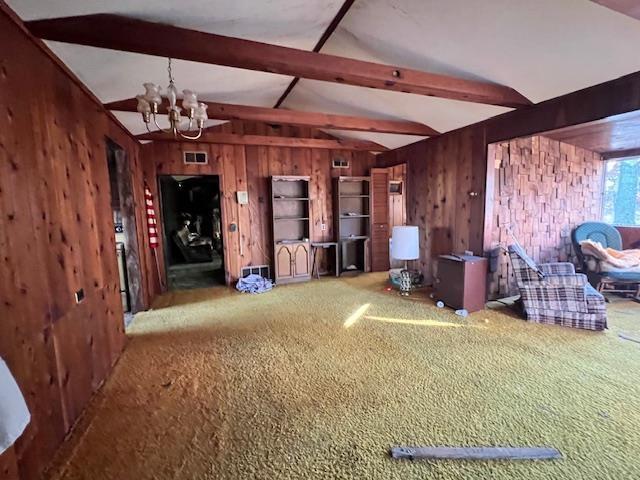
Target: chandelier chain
[[170, 72]]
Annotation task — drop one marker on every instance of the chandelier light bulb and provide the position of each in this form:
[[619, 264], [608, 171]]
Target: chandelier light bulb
[[189, 100], [201, 112], [143, 104], [152, 93]]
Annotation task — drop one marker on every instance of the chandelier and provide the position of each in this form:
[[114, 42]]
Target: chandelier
[[149, 102]]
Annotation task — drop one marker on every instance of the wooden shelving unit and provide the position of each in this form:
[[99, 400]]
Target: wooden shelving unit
[[290, 210], [352, 205]]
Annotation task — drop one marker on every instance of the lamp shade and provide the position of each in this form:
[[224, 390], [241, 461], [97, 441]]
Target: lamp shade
[[14, 414], [405, 243]]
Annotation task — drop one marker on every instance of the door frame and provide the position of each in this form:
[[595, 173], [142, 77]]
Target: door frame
[[223, 221], [129, 224]]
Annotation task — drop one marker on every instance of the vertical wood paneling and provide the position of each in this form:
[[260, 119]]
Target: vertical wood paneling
[[249, 168], [56, 237], [441, 173]]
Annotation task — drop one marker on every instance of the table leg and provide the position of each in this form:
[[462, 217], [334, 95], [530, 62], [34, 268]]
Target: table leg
[[315, 266], [337, 258]]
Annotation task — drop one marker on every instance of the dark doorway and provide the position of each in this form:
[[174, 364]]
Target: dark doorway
[[124, 220], [192, 230]]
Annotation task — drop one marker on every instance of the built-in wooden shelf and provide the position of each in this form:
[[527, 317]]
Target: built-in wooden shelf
[[352, 195], [290, 209]]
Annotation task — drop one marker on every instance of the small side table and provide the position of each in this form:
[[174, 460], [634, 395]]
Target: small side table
[[315, 246]]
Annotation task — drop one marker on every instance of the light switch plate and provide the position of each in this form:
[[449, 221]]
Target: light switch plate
[[243, 197]]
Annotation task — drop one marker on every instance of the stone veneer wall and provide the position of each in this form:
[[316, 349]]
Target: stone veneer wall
[[543, 189]]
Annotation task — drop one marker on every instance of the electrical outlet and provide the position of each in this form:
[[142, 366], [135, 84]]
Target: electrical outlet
[[323, 227]]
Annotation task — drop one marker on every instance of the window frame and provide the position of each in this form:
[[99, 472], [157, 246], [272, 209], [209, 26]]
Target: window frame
[[603, 183]]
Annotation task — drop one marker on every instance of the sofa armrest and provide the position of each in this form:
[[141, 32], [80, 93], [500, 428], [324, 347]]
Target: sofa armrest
[[558, 297], [558, 268], [575, 280]]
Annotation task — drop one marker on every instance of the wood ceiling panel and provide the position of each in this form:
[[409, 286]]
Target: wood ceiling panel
[[620, 132]]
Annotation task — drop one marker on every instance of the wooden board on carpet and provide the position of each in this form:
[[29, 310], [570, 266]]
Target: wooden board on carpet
[[476, 453]]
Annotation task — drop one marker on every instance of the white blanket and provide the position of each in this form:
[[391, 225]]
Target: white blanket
[[14, 414], [612, 260]]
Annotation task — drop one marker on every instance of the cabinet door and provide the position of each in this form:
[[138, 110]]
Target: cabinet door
[[284, 262], [301, 260], [380, 219]]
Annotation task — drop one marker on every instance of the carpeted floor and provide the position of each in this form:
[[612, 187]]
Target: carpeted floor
[[215, 384]]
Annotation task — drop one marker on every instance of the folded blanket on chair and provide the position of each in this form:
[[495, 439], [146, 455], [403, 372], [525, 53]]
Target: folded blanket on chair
[[611, 259]]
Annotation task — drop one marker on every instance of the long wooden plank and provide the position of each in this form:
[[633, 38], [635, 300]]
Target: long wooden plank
[[229, 111], [476, 453], [262, 140], [131, 35]]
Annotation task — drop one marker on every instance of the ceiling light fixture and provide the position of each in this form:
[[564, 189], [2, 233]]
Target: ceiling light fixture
[[149, 102]]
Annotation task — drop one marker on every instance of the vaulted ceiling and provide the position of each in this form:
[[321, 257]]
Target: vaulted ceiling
[[541, 48]]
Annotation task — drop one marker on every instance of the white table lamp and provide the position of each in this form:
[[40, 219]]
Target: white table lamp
[[14, 414], [405, 245]]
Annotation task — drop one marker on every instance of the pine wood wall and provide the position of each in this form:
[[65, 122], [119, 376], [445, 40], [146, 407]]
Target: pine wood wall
[[543, 189], [441, 175], [250, 168], [56, 237]]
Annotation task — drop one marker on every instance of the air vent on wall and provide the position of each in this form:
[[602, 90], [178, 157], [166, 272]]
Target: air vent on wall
[[198, 158], [262, 270], [340, 163]]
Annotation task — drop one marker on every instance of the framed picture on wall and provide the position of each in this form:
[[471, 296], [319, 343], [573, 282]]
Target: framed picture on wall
[[395, 187]]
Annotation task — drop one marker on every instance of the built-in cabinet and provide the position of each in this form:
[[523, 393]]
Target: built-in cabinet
[[352, 216], [290, 207]]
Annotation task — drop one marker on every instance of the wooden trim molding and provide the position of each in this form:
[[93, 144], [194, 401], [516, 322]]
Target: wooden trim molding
[[132, 35], [268, 141], [228, 111], [632, 152]]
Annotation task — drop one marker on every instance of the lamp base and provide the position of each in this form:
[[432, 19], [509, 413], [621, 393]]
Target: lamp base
[[406, 282]]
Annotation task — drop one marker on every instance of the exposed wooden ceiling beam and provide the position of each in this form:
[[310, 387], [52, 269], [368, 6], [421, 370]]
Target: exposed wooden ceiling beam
[[630, 8], [632, 152], [323, 39], [131, 35], [267, 141], [227, 111]]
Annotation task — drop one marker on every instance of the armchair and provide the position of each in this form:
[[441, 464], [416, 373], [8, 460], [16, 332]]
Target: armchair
[[553, 293]]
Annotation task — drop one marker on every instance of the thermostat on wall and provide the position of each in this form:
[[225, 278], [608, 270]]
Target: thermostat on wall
[[243, 197]]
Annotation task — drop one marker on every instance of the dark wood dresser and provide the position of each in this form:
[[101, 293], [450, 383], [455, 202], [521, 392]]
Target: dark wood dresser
[[462, 282]]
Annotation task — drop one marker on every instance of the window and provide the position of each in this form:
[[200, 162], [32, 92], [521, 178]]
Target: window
[[621, 195]]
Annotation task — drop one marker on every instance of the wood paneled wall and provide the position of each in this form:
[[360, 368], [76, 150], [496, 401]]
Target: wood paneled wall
[[250, 168], [457, 162], [543, 189], [442, 177], [56, 237], [630, 237], [397, 202]]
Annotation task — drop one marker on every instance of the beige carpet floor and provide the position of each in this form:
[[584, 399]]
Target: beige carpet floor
[[291, 385]]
